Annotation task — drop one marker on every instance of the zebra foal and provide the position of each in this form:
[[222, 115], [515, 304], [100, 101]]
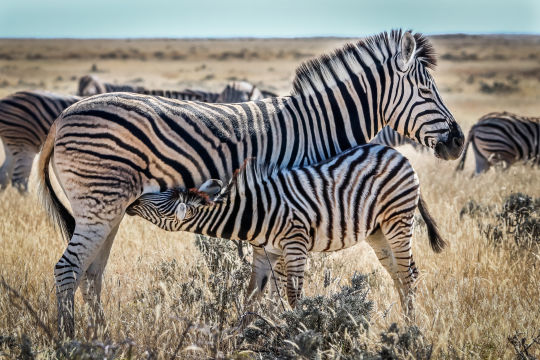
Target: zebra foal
[[502, 137], [368, 193]]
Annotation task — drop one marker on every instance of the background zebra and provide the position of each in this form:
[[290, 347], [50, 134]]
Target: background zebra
[[367, 193], [111, 149], [502, 137], [236, 91], [25, 119], [389, 137]]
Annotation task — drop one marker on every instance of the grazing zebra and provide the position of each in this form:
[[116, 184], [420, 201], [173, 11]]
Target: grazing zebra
[[369, 192], [110, 149], [236, 91], [389, 137], [502, 137], [25, 119]]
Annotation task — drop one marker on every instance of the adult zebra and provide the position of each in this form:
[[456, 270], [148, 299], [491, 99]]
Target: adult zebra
[[502, 137], [25, 119], [110, 149], [367, 193], [389, 137], [26, 116], [235, 91]]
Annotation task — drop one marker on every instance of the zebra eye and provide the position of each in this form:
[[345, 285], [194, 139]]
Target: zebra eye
[[424, 91]]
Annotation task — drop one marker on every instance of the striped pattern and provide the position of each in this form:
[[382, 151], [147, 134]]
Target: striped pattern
[[25, 119], [389, 137], [502, 137], [112, 148], [367, 193], [236, 91]]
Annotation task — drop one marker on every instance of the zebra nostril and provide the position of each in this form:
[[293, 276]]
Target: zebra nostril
[[458, 141]]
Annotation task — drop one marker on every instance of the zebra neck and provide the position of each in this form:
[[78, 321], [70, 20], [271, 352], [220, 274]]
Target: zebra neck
[[215, 220], [339, 117]]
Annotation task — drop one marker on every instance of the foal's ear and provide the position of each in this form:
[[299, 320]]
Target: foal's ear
[[211, 186], [181, 211]]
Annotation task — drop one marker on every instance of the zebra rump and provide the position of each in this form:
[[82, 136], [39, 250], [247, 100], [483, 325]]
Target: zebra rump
[[503, 137]]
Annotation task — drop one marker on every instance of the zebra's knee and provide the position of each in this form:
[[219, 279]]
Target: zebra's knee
[[20, 184]]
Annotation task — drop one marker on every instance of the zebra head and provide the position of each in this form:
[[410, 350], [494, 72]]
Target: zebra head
[[89, 85], [414, 106], [240, 91], [171, 208]]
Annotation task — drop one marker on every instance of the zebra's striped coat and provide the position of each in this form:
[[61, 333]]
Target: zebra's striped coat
[[368, 193], [110, 149], [502, 137], [235, 91], [389, 137], [25, 119]]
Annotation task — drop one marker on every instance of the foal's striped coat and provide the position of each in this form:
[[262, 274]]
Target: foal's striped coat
[[367, 193]]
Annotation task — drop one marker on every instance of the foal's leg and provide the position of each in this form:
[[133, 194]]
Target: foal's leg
[[261, 272], [392, 246], [295, 254], [279, 283]]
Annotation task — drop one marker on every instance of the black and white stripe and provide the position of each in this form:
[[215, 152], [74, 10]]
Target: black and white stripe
[[367, 193], [112, 148], [236, 91], [25, 119], [502, 137], [389, 137]]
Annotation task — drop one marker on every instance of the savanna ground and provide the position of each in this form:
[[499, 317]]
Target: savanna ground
[[478, 299]]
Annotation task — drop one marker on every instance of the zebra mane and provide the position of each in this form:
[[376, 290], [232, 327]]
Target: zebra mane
[[317, 73], [188, 196]]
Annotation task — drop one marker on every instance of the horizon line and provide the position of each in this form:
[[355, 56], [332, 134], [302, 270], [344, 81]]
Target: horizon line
[[292, 37]]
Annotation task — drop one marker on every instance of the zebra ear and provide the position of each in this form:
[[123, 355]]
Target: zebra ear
[[408, 48], [181, 211], [211, 187]]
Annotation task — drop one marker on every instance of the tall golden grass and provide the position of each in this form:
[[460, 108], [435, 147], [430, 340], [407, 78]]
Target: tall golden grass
[[471, 298]]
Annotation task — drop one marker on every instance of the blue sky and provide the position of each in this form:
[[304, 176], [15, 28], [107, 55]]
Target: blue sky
[[255, 18]]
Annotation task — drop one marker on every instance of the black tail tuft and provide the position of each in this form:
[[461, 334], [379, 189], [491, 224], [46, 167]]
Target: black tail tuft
[[435, 240], [53, 205]]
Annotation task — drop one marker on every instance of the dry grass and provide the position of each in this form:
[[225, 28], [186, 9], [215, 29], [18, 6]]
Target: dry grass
[[159, 292]]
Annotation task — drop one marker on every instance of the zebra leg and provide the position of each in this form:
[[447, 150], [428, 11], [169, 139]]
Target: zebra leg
[[279, 283], [7, 167], [82, 250], [261, 272], [21, 171], [91, 283], [295, 254], [394, 253], [482, 164]]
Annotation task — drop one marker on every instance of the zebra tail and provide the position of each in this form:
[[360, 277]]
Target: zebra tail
[[435, 239], [56, 210], [461, 163]]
